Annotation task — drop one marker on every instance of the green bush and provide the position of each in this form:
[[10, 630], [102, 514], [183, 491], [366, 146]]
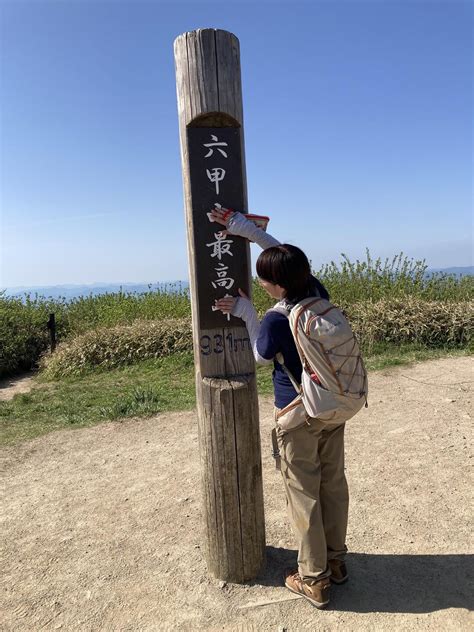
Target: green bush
[[373, 280], [23, 333], [24, 337], [376, 279], [119, 308]]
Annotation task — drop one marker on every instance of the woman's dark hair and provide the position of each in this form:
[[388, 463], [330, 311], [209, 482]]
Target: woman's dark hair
[[289, 267]]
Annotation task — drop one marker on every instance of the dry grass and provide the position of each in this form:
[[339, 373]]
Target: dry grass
[[108, 348], [412, 320], [432, 324]]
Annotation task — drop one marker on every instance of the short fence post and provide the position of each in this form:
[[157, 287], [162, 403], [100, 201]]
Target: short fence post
[[51, 325]]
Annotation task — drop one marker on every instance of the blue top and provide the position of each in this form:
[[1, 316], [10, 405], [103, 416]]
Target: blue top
[[275, 337]]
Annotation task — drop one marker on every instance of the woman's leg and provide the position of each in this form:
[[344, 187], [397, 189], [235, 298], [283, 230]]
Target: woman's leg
[[301, 472], [334, 494]]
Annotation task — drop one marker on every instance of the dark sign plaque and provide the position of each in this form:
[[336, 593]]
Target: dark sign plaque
[[215, 165]]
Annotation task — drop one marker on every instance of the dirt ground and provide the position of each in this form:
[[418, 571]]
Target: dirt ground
[[9, 387], [101, 527]]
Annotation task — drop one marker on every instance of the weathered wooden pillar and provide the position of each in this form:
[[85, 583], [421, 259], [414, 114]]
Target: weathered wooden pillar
[[212, 152]]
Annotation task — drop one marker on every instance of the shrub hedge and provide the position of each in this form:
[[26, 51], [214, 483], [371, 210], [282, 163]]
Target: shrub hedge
[[412, 320], [368, 290], [107, 348], [396, 322], [23, 334]]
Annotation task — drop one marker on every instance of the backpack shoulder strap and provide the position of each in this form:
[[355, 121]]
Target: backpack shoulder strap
[[279, 356], [281, 360], [280, 310]]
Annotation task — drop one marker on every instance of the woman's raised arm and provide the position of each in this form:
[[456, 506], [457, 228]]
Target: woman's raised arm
[[237, 224]]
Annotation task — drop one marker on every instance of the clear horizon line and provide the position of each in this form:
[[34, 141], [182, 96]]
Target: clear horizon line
[[169, 281]]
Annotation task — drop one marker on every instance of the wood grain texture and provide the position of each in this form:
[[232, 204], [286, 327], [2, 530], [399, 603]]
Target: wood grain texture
[[231, 478], [209, 94]]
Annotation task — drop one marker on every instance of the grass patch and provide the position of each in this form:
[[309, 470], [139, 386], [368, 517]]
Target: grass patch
[[385, 357], [144, 389]]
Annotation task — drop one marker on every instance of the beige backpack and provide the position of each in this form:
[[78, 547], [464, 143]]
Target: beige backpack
[[334, 383]]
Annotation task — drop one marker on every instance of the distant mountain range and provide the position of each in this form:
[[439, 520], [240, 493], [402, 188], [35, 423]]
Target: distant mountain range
[[94, 289], [466, 271]]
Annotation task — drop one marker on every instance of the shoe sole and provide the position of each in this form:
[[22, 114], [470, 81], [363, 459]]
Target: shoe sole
[[339, 581], [313, 602]]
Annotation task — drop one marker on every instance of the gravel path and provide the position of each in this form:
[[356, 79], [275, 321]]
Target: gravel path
[[101, 526]]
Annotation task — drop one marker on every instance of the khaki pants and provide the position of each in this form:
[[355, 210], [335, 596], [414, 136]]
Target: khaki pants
[[312, 466]]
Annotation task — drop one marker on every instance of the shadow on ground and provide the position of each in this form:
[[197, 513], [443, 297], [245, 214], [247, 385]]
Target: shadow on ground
[[390, 583]]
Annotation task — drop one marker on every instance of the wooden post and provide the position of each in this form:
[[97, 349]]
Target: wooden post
[[212, 152], [51, 325]]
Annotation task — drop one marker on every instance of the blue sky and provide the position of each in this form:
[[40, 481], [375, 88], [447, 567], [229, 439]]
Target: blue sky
[[358, 130]]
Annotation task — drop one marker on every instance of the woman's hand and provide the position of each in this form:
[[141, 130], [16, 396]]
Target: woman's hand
[[220, 215], [227, 303]]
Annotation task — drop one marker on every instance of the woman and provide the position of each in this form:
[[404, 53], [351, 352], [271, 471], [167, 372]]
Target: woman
[[312, 456]]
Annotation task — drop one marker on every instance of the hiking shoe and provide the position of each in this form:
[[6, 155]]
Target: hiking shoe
[[339, 573], [316, 593]]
